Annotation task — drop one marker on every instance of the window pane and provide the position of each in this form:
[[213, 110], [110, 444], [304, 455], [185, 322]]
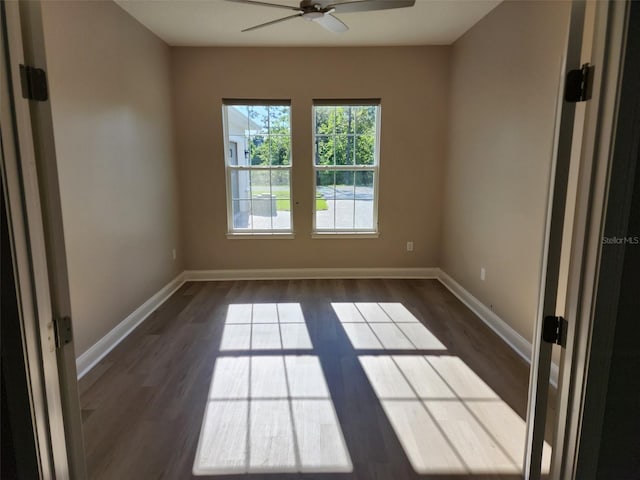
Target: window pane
[[344, 184], [345, 120], [344, 203], [280, 149], [258, 119], [344, 146], [279, 122], [365, 149], [262, 203], [237, 120], [364, 191], [325, 200], [235, 149], [324, 150], [323, 124], [240, 199], [281, 191], [259, 150], [260, 197], [365, 119], [346, 135]]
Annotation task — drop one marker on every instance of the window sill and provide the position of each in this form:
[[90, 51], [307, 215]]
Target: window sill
[[261, 236], [344, 235]]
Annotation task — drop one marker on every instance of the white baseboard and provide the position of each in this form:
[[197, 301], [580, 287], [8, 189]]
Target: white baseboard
[[102, 347], [309, 273], [86, 361], [519, 344], [512, 338]]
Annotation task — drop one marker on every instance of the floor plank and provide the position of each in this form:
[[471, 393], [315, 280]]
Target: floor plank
[[312, 379]]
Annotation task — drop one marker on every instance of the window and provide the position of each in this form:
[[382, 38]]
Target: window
[[258, 166], [346, 166]]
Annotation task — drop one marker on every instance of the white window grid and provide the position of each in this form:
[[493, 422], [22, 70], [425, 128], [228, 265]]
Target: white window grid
[[375, 169], [230, 168]]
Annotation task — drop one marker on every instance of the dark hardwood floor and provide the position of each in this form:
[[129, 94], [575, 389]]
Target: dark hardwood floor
[[143, 405]]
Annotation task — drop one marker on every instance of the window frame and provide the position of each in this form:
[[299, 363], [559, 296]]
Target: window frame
[[232, 232], [375, 168]]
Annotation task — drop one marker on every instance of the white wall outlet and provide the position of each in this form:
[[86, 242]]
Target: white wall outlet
[[483, 273], [173, 253], [409, 246]]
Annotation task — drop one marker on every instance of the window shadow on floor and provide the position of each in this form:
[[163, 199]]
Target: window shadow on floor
[[349, 388]]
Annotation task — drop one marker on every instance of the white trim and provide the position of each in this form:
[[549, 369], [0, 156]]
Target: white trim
[[334, 235], [233, 233], [375, 168], [27, 246], [260, 236], [309, 273], [516, 341], [86, 361], [102, 347]]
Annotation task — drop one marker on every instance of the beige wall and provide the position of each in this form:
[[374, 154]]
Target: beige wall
[[413, 85], [483, 109], [110, 95], [505, 75]]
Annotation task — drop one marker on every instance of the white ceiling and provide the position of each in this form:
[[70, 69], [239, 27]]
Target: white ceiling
[[218, 23]]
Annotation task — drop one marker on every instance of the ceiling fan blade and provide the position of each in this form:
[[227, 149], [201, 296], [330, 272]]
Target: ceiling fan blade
[[272, 22], [265, 4], [370, 5], [331, 23]]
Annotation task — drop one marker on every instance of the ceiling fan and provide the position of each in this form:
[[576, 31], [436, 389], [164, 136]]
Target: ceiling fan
[[321, 11]]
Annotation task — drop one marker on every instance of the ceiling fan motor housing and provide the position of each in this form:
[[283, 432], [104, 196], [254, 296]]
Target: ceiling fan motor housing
[[321, 11], [309, 5], [312, 16], [313, 10]]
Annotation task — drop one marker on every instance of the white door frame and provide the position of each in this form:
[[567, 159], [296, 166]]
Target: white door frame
[[587, 138], [34, 217], [607, 50], [541, 352], [27, 242]]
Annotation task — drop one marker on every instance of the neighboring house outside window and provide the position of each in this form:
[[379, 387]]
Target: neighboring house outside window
[[257, 139], [346, 161]]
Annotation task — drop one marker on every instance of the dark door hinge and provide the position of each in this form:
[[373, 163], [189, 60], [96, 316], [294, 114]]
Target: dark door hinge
[[64, 334], [579, 84], [34, 83], [554, 330]]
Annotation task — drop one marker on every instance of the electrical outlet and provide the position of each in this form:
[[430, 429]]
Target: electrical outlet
[[483, 274], [173, 253], [409, 246]]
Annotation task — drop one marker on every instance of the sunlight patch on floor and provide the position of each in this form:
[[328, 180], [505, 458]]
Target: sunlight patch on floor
[[447, 419], [265, 326], [270, 414], [384, 326]]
